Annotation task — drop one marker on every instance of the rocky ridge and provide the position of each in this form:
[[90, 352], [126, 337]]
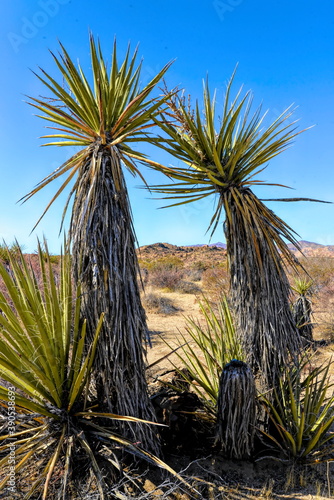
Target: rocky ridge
[[216, 252]]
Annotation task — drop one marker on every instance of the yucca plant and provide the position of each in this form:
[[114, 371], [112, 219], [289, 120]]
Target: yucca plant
[[236, 410], [224, 160], [302, 306], [210, 348], [6, 250], [47, 422], [302, 412], [105, 114]]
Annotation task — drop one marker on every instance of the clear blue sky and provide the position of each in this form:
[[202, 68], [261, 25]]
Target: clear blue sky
[[285, 55]]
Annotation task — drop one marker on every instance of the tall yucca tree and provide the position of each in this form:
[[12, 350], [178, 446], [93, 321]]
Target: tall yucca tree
[[225, 163], [105, 114]]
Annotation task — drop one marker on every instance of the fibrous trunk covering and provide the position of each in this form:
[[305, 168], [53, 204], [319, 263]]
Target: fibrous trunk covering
[[236, 410], [105, 262], [259, 286], [302, 311]]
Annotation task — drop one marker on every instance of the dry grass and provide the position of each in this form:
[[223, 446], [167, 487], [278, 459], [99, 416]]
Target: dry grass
[[215, 281], [158, 304], [167, 279], [217, 480]]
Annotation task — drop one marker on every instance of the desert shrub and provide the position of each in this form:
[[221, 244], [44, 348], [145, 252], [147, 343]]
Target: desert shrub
[[321, 270], [167, 278], [327, 326], [158, 304], [165, 272], [49, 257], [188, 287], [3, 253], [144, 265], [216, 281], [195, 271], [200, 265], [169, 262], [302, 411], [302, 307], [9, 250], [194, 274]]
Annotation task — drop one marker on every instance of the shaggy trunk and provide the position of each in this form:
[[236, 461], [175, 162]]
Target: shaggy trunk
[[259, 287], [236, 410], [302, 311], [105, 262]]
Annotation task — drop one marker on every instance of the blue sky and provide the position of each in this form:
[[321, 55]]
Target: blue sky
[[284, 52]]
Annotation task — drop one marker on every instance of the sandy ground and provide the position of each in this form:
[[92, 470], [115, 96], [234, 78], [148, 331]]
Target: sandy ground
[[167, 327]]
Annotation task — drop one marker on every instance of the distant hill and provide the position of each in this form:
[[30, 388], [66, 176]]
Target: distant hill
[[219, 245], [306, 244], [310, 249], [213, 254], [216, 252]]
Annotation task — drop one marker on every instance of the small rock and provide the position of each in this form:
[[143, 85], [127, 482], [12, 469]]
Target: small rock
[[151, 488]]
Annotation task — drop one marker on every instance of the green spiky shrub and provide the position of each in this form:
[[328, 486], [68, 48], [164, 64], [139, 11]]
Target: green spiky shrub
[[302, 306], [212, 345], [44, 378], [301, 411], [5, 250]]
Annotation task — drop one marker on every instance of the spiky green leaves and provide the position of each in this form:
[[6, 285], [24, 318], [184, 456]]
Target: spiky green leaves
[[42, 358], [111, 111], [223, 157], [36, 329], [302, 411], [210, 348], [302, 286]]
